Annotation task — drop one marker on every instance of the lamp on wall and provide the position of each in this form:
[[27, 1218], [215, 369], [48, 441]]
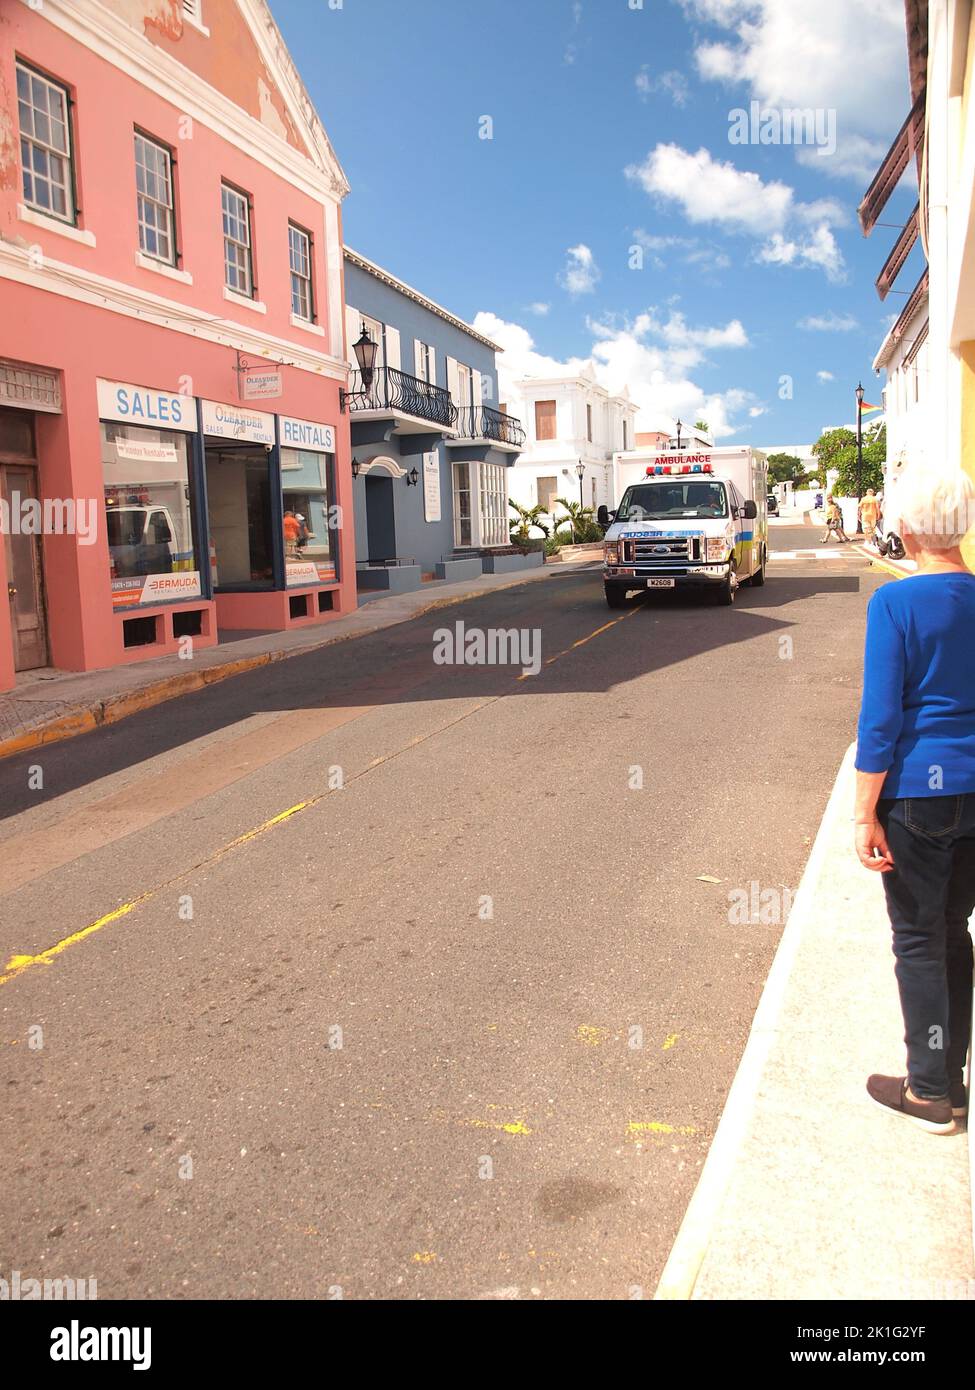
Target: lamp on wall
[[412, 478], [356, 465], [365, 349]]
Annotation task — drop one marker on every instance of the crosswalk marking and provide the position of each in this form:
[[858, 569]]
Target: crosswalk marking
[[806, 555]]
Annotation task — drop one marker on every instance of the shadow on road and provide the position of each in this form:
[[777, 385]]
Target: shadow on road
[[652, 633]]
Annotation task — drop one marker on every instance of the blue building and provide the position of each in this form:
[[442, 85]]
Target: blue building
[[431, 445]]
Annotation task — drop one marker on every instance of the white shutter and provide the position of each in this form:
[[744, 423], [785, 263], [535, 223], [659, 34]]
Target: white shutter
[[392, 347], [418, 358], [432, 363], [353, 328], [453, 380]]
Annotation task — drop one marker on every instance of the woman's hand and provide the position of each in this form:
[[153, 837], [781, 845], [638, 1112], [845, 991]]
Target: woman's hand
[[871, 846]]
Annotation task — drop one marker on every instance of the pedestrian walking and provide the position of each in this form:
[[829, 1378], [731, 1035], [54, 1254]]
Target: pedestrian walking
[[869, 512], [834, 522], [915, 797]]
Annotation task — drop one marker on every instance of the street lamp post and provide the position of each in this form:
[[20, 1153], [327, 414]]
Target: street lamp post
[[859, 396], [680, 424], [580, 474]]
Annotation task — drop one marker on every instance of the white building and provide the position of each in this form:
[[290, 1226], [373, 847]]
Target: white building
[[569, 421], [903, 356]]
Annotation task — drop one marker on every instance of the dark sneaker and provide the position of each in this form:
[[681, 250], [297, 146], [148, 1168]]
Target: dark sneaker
[[959, 1098], [892, 1093]]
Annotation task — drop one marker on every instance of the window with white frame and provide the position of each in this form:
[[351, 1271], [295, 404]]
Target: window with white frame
[[463, 517], [465, 385], [154, 199], [299, 250], [238, 267], [45, 144], [424, 362], [493, 498]]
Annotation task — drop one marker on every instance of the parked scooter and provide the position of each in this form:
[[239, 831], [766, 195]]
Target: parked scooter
[[888, 543]]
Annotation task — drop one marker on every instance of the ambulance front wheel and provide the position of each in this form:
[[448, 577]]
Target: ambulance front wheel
[[758, 578], [615, 595], [724, 595]]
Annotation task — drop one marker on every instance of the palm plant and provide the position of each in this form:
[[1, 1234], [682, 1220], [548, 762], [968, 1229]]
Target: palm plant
[[578, 517], [520, 528]]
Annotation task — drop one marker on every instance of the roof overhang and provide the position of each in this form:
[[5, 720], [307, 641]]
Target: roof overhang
[[894, 263], [354, 258], [906, 146], [916, 300]]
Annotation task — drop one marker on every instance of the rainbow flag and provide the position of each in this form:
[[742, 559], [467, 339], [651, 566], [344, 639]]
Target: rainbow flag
[[866, 407]]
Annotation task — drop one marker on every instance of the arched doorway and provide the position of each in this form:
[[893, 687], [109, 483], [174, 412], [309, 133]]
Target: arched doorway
[[379, 474]]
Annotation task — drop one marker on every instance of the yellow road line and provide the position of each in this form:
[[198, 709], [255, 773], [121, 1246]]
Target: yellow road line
[[582, 641], [19, 963]]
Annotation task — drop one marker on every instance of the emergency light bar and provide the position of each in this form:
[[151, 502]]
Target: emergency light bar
[[655, 468]]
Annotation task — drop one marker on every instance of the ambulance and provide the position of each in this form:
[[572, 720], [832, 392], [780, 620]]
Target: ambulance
[[696, 517]]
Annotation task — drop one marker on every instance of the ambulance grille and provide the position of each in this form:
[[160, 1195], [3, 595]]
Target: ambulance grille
[[661, 551]]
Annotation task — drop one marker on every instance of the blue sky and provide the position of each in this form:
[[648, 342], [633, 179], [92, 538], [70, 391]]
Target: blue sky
[[610, 130]]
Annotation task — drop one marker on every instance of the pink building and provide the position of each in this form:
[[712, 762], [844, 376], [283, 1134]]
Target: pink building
[[171, 334]]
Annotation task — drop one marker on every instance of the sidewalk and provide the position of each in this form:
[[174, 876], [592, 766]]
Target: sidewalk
[[810, 1191], [48, 706]]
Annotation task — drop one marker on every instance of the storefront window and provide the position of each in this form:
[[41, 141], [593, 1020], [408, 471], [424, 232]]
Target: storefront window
[[462, 504], [494, 505], [306, 480], [149, 507]]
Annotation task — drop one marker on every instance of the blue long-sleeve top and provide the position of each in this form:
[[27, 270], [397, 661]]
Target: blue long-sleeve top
[[917, 720]]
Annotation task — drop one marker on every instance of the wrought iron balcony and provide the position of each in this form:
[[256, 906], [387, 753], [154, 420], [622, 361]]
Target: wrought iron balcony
[[483, 422], [394, 390]]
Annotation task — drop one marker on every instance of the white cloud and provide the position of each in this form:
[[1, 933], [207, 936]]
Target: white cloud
[[539, 307], [651, 355], [580, 274], [829, 323], [673, 84], [756, 410], [813, 56], [709, 190], [571, 52], [825, 376], [819, 249]]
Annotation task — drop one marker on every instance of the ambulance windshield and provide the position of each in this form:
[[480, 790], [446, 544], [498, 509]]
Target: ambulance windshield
[[673, 498]]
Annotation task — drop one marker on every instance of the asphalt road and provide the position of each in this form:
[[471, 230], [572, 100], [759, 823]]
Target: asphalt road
[[423, 980]]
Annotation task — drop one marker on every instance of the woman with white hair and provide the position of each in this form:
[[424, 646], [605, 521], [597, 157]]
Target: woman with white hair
[[915, 797]]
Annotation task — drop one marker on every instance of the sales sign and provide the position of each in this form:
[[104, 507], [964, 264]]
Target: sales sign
[[138, 405]]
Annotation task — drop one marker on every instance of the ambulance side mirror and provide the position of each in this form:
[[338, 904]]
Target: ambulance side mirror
[[602, 516], [749, 511]]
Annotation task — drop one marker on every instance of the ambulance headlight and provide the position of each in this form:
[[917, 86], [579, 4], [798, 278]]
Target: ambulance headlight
[[717, 548], [611, 553]]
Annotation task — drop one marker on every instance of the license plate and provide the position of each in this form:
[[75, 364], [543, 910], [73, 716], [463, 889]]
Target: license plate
[[660, 583]]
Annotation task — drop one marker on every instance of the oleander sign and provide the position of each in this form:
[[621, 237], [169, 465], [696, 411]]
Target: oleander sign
[[237, 422]]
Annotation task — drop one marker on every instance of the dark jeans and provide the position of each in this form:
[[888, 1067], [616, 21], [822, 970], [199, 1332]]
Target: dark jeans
[[930, 897]]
